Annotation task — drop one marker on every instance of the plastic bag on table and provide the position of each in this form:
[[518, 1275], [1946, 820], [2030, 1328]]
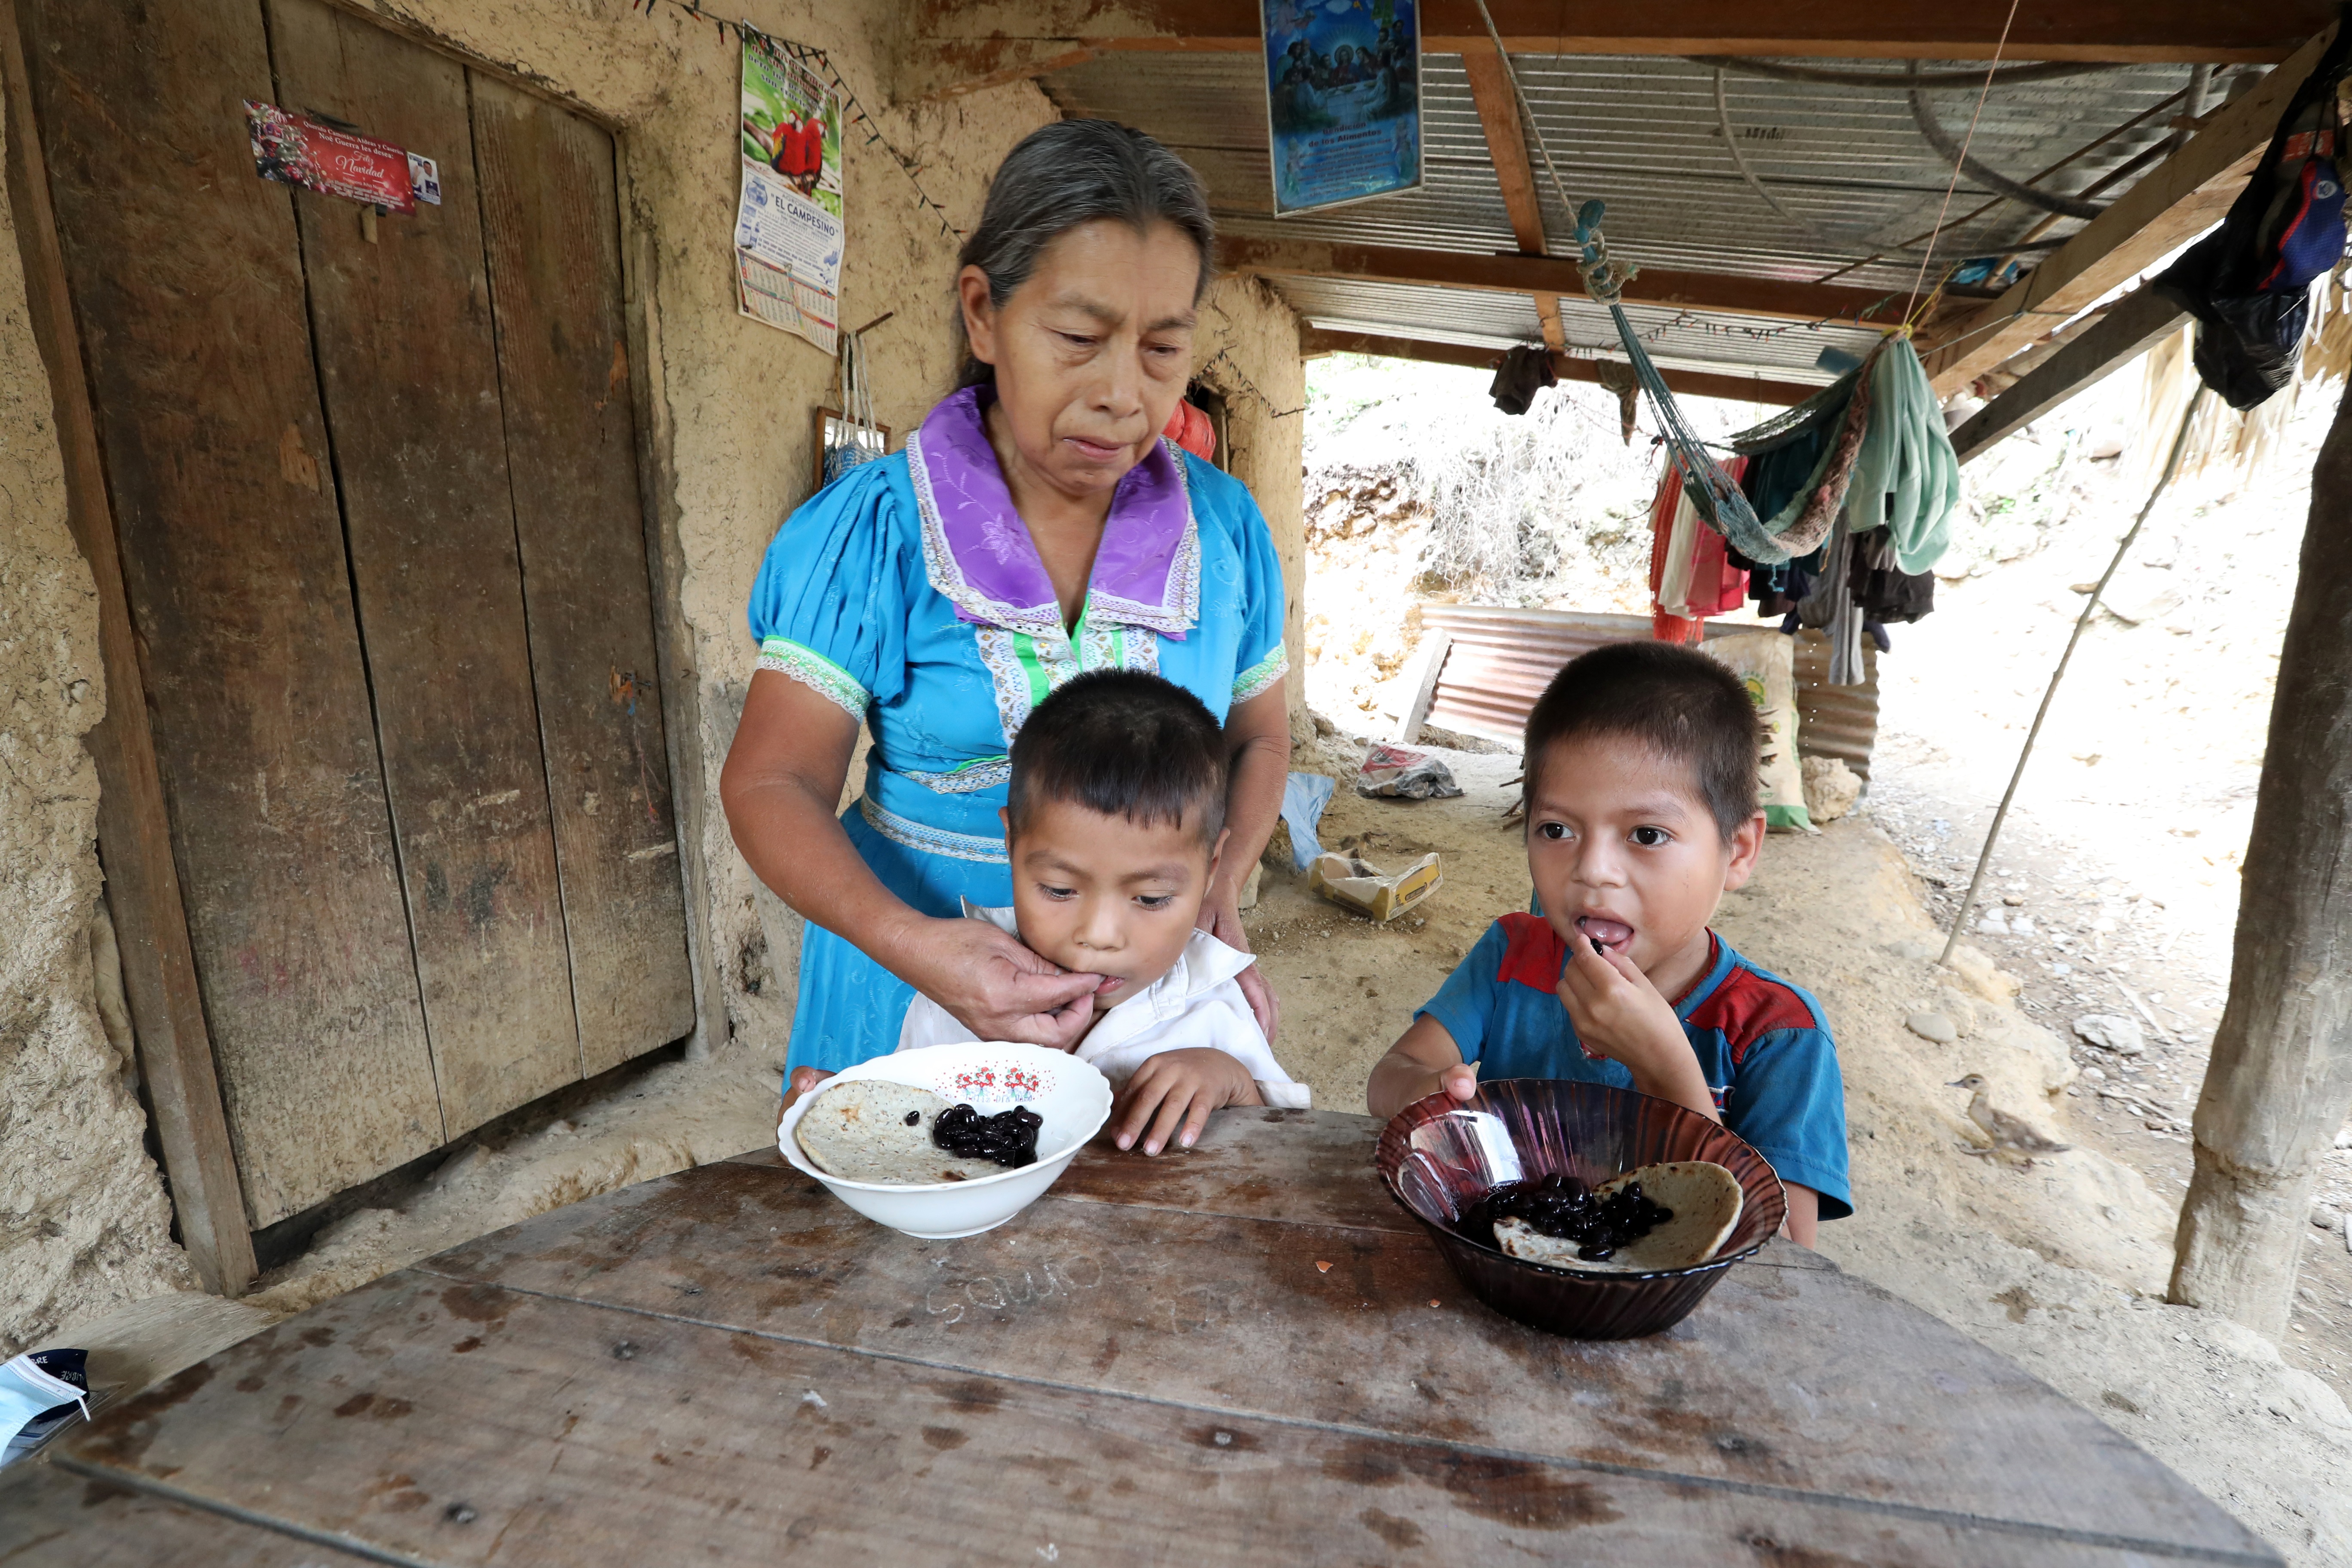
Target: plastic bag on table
[[1403, 773]]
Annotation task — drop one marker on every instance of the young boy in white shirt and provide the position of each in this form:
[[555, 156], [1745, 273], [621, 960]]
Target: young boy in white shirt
[[1114, 821]]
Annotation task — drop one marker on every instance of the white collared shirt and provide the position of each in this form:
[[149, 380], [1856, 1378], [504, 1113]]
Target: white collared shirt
[[1197, 1003]]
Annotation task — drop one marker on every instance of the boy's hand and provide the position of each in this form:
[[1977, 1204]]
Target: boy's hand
[[1179, 1088], [1424, 1062], [1620, 1015], [802, 1080]]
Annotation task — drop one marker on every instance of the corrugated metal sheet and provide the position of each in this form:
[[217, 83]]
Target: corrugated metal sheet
[[1835, 720], [1502, 660], [1640, 132]]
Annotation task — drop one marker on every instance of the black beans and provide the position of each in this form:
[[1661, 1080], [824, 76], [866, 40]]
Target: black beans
[[1565, 1207], [1008, 1137], [914, 1119]]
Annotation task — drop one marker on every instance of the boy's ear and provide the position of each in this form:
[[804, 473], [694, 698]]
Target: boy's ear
[[1747, 846], [1005, 819], [1217, 851]]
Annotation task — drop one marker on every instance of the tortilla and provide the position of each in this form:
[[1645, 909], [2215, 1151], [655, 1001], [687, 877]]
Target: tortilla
[[1706, 1200], [857, 1129]]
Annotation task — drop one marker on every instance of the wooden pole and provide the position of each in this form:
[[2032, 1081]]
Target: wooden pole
[[2281, 1075]]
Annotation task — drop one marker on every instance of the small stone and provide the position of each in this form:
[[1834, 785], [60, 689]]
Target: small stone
[[2344, 1138], [2013, 900], [1932, 1027], [2326, 1218], [2112, 1032], [1994, 923], [2022, 925], [2094, 1074]]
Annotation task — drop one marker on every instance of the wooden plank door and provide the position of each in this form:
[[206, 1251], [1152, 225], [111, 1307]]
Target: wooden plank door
[[376, 490], [551, 215], [402, 332], [189, 296]]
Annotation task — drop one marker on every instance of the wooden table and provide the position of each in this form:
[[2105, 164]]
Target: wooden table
[[1152, 1364]]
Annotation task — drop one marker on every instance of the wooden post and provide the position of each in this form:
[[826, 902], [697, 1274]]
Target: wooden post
[[1429, 661], [2281, 1075], [158, 967]]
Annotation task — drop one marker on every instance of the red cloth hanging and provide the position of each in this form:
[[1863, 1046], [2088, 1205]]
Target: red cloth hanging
[[1716, 587], [1190, 428]]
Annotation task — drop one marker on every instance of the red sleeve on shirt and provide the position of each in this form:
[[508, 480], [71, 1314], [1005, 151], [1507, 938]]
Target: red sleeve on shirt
[[1534, 953], [1747, 1007]]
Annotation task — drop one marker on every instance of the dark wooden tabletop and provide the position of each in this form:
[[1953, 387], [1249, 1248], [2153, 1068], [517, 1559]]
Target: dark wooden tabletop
[[1244, 1353]]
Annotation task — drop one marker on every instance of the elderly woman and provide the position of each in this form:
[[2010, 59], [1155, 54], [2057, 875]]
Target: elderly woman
[[1036, 525]]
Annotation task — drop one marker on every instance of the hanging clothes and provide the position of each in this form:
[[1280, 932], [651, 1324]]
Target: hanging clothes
[[1691, 574], [1829, 608], [1905, 478], [1883, 590], [1524, 373]]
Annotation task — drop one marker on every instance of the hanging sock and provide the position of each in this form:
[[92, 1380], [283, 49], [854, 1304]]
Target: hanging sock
[[1523, 373]]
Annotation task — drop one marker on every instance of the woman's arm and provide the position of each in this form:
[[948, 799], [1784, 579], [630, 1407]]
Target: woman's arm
[[1259, 733], [780, 786]]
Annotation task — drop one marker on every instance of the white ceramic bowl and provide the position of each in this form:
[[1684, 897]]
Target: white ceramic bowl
[[1072, 1097]]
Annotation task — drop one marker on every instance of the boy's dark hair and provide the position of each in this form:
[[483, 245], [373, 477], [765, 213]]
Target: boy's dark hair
[[1675, 701], [1123, 744]]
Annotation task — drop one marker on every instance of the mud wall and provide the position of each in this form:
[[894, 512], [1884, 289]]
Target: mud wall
[[84, 1224], [726, 402]]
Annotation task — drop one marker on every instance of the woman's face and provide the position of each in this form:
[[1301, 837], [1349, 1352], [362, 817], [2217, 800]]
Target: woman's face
[[1092, 353]]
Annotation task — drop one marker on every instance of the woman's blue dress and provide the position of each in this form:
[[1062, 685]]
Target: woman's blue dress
[[909, 593]]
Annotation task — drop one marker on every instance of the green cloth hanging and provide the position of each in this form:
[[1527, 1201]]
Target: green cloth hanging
[[1906, 479]]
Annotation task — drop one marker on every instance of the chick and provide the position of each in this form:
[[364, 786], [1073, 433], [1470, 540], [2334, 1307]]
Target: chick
[[2011, 1138]]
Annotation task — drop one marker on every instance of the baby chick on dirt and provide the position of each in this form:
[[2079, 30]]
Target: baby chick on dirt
[[2012, 1140]]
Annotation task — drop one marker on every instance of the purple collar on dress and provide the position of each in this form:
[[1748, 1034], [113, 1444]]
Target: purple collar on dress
[[979, 555]]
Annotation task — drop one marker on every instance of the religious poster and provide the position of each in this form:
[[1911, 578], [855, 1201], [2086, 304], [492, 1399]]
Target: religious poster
[[294, 150], [1343, 99], [788, 224]]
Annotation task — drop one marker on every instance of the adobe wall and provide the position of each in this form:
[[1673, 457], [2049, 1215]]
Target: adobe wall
[[83, 1220], [727, 401]]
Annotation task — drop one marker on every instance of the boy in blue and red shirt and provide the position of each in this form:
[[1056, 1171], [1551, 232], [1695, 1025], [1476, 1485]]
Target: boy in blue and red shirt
[[1641, 812]]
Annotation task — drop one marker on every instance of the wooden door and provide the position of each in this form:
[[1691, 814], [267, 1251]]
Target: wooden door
[[376, 490]]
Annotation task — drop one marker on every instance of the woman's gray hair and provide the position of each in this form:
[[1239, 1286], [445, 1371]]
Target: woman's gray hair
[[1067, 173]]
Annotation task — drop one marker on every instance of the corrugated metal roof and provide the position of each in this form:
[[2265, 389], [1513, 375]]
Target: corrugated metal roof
[[1685, 339], [1641, 133]]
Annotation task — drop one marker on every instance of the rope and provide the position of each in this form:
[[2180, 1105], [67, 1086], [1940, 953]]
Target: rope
[[1953, 184], [1712, 492], [2090, 608]]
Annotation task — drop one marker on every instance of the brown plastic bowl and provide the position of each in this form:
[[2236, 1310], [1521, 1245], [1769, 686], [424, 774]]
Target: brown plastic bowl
[[1439, 1155]]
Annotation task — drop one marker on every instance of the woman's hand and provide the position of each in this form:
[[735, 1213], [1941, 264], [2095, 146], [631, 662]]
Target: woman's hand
[[993, 986], [1178, 1088], [1221, 917]]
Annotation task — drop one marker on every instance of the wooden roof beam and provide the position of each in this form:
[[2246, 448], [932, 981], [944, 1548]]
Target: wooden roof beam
[[2137, 323], [1507, 146], [2173, 203], [1315, 341], [958, 45], [1550, 275]]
